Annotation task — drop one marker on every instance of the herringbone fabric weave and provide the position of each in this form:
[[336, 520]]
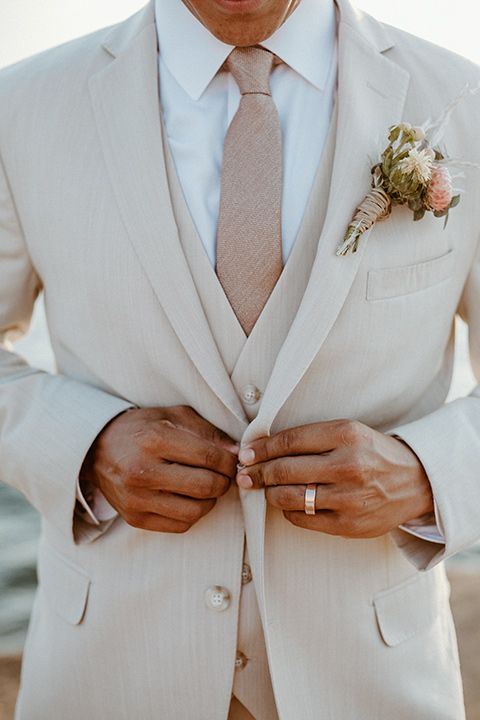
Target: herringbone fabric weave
[[249, 241]]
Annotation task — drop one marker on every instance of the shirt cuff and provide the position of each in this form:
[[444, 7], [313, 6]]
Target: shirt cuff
[[93, 506], [426, 527]]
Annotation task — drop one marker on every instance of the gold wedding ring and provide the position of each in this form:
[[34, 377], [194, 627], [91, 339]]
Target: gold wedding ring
[[310, 497]]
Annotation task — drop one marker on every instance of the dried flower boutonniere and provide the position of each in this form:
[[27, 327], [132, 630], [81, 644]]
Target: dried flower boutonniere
[[412, 171]]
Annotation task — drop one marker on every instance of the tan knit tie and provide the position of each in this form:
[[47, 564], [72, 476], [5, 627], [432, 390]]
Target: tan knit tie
[[249, 238]]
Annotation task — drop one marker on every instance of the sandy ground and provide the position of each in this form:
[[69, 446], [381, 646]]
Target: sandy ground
[[9, 671], [466, 610], [465, 601]]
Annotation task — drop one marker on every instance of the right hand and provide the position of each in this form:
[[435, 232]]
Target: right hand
[[162, 469]]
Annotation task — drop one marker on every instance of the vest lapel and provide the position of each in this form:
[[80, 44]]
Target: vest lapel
[[250, 359], [125, 102], [259, 353], [229, 335]]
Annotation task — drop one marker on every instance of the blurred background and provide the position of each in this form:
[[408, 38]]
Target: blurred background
[[29, 26]]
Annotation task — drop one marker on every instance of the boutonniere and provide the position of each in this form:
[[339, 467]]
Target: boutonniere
[[413, 171]]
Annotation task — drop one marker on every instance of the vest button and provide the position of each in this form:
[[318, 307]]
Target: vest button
[[246, 574], [217, 598], [240, 661], [251, 394]]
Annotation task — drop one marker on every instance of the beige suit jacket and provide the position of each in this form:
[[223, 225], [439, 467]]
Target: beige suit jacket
[[355, 630]]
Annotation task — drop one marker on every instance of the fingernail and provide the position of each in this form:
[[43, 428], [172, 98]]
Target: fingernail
[[244, 481], [233, 448], [246, 456]]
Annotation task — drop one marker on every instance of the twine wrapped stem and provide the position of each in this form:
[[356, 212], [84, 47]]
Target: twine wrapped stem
[[376, 206]]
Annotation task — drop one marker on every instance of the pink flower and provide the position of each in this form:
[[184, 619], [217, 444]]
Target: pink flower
[[440, 191]]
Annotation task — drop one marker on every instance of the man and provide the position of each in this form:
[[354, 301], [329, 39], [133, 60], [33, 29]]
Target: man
[[197, 306]]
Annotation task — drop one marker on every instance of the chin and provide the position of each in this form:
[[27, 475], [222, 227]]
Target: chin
[[240, 7], [241, 22], [242, 39]]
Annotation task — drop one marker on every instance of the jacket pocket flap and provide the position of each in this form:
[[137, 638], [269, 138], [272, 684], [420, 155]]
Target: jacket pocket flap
[[405, 609], [64, 585], [394, 282]]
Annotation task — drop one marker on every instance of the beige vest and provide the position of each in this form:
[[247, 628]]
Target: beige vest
[[249, 362]]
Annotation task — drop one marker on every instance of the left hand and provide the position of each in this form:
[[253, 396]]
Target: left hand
[[368, 483]]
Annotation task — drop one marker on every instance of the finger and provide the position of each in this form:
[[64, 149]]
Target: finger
[[188, 419], [182, 446], [217, 437], [326, 521], [292, 497], [182, 479], [156, 523], [303, 440], [299, 470], [177, 507]]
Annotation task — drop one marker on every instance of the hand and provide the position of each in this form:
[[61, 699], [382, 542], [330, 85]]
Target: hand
[[368, 482], [162, 469]]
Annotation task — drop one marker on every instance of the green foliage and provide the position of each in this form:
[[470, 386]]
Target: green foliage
[[417, 201], [419, 214], [394, 133]]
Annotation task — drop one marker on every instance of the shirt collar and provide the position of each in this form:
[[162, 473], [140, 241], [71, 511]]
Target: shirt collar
[[305, 42]]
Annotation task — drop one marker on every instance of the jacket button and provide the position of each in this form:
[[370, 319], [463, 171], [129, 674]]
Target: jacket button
[[217, 598], [240, 661], [246, 574], [251, 394]]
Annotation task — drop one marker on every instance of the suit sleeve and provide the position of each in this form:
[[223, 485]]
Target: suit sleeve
[[447, 443], [47, 422]]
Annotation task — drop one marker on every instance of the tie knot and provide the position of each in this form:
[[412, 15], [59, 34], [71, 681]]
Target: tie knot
[[251, 68]]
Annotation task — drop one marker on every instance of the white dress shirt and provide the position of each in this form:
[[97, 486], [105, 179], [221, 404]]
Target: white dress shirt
[[198, 104], [198, 101]]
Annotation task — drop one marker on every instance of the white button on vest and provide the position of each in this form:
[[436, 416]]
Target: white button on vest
[[240, 661], [251, 394], [217, 598]]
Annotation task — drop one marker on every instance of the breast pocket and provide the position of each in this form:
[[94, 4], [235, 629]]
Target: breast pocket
[[394, 282]]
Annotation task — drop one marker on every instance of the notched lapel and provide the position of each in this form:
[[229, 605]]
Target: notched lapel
[[371, 95], [126, 105]]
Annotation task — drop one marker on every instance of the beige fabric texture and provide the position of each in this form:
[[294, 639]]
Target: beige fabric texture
[[252, 686], [357, 630], [249, 235]]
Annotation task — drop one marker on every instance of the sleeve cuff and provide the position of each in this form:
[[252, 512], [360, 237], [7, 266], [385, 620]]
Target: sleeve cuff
[[94, 506], [426, 527]]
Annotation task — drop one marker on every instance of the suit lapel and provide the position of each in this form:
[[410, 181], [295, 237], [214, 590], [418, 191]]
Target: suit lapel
[[371, 94], [125, 102]]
